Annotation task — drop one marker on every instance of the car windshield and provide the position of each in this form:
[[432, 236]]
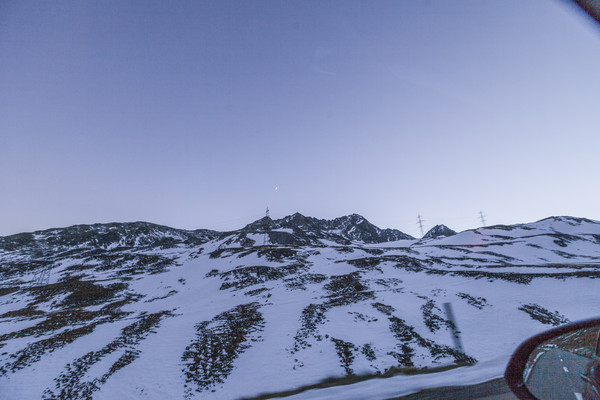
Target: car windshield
[[317, 199]]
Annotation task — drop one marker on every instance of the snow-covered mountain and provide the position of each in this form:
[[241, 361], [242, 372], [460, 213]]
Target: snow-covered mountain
[[138, 310], [439, 231]]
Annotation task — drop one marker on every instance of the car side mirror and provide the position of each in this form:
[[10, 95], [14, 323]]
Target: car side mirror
[[562, 363]]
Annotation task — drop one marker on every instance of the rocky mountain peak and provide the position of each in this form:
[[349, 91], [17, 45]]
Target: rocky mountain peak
[[300, 229], [295, 220], [439, 231], [353, 218]]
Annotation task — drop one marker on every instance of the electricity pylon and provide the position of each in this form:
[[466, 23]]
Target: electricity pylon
[[482, 218], [420, 223]]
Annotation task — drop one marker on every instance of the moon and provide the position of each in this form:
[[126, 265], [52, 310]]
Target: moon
[[276, 188]]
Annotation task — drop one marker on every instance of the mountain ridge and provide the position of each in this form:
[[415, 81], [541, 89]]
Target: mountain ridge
[[305, 230], [86, 310], [26, 234]]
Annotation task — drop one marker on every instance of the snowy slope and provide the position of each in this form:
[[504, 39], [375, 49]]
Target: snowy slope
[[144, 311]]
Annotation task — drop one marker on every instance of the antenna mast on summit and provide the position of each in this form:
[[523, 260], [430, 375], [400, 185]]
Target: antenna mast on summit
[[482, 218], [420, 223], [265, 235]]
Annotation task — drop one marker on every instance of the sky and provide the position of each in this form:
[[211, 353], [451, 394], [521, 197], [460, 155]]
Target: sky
[[201, 114]]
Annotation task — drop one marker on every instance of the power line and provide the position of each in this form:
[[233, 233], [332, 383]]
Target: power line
[[420, 223]]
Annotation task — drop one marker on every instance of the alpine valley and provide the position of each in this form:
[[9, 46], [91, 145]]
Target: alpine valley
[[143, 311]]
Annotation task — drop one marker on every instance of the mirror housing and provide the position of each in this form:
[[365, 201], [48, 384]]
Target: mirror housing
[[516, 368]]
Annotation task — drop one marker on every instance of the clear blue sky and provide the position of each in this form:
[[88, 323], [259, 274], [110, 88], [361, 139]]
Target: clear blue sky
[[190, 113]]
